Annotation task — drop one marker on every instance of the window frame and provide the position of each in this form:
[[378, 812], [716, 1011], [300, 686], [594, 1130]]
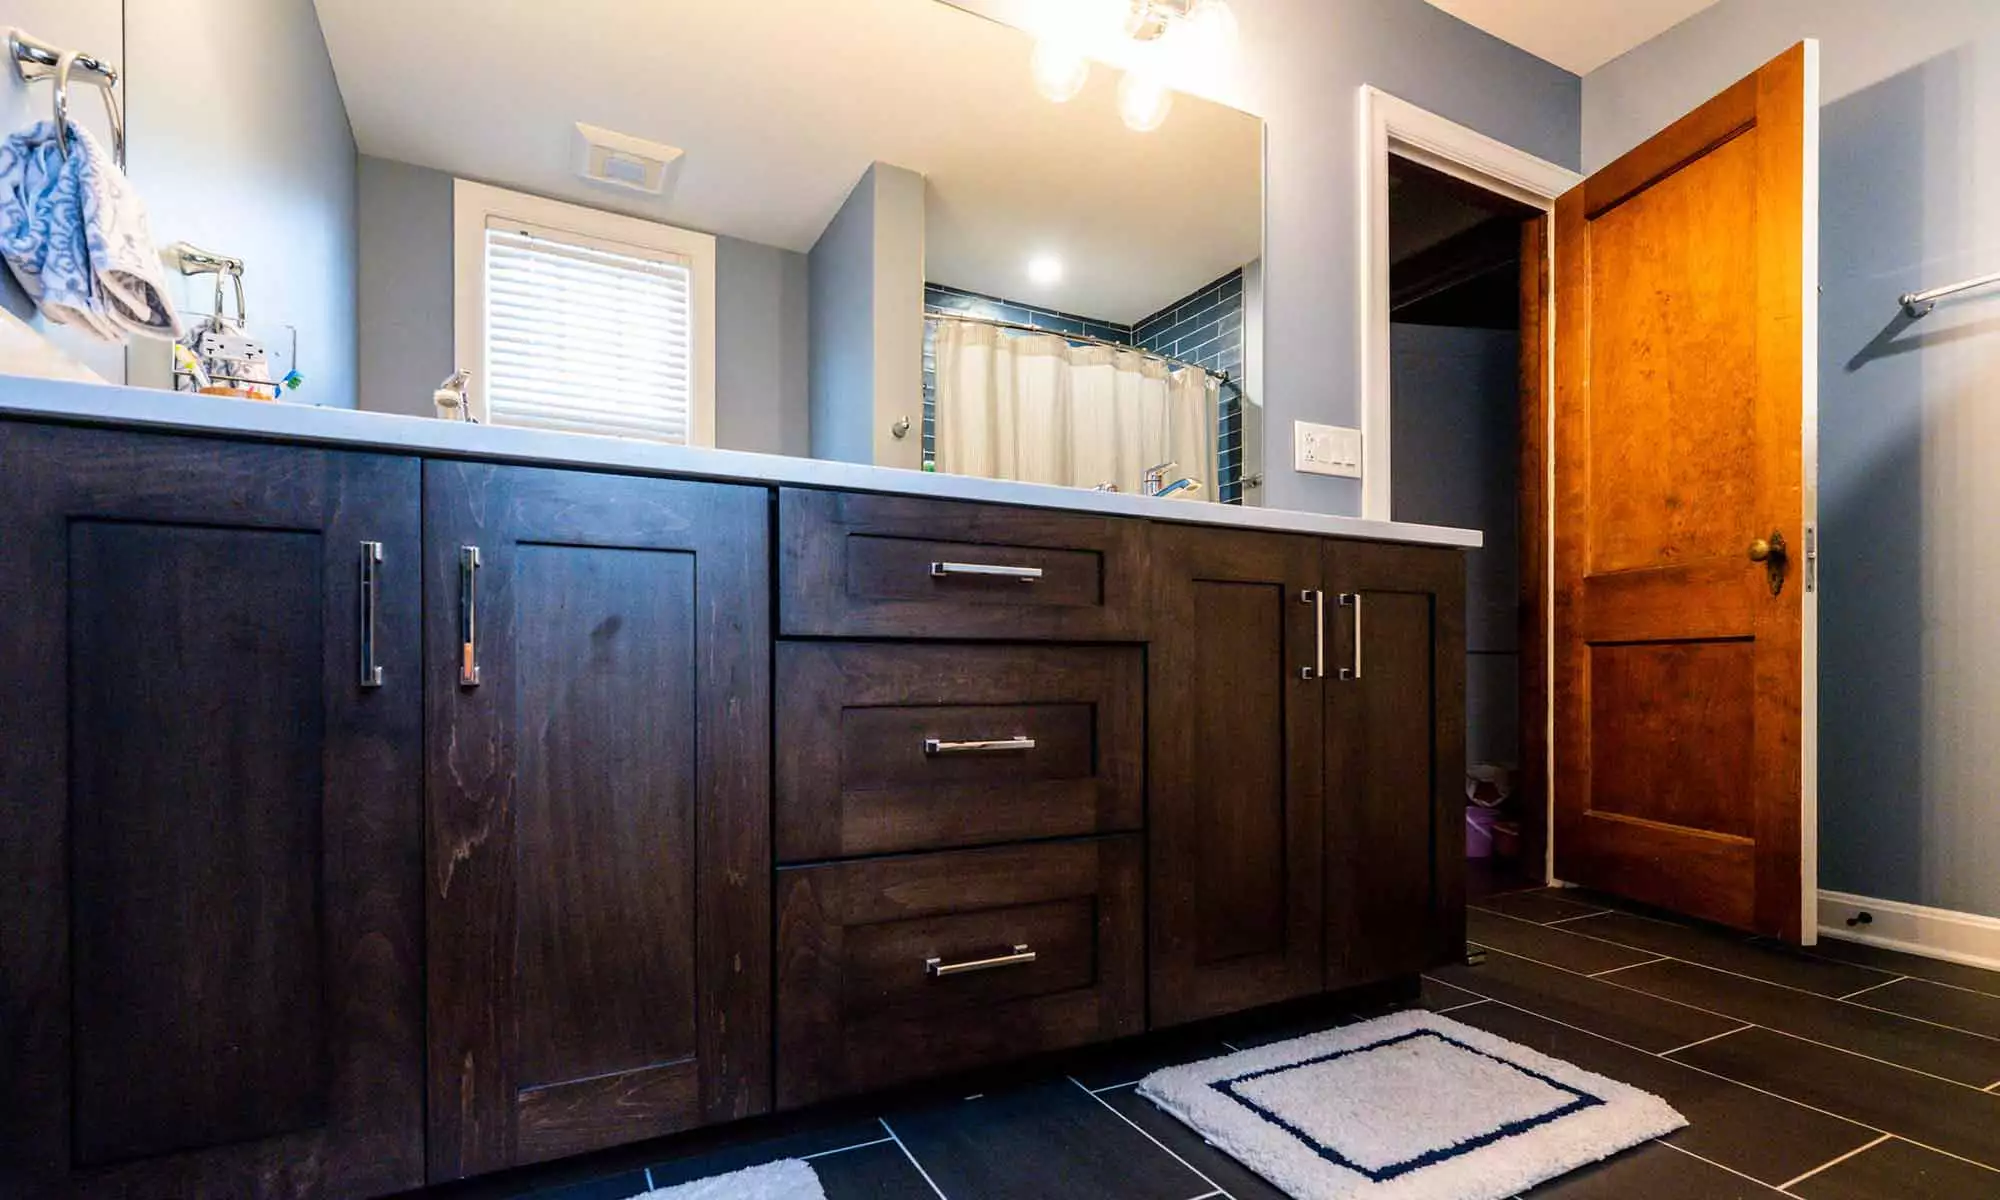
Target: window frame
[[474, 205]]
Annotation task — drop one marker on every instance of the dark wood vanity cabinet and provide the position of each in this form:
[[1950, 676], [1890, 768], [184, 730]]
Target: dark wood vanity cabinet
[[1307, 750], [370, 821], [211, 819], [599, 858]]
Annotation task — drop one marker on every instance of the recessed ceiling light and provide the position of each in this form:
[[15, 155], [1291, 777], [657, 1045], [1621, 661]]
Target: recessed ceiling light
[[1045, 269]]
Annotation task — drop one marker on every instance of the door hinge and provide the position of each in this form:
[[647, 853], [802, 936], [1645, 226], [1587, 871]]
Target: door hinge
[[1812, 556]]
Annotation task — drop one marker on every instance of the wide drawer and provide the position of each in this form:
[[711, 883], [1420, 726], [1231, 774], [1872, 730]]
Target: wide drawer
[[890, 748], [888, 566], [896, 969]]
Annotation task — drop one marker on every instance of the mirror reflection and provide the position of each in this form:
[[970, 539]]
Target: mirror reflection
[[888, 231]]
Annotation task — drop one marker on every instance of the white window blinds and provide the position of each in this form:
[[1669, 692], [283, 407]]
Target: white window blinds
[[587, 335]]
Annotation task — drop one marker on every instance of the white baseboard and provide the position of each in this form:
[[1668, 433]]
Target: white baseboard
[[1932, 932]]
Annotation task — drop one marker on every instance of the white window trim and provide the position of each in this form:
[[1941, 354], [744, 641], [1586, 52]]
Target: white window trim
[[473, 204]]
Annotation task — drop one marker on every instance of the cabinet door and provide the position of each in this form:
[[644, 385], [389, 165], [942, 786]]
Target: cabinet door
[[210, 825], [1236, 751], [598, 650], [1395, 726]]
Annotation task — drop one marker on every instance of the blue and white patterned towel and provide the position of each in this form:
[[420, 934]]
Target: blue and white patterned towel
[[75, 234]]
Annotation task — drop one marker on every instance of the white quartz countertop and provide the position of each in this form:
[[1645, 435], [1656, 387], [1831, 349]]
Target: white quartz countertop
[[145, 408]]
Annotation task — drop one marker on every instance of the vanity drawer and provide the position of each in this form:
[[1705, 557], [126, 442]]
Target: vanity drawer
[[888, 566], [887, 748], [895, 969]]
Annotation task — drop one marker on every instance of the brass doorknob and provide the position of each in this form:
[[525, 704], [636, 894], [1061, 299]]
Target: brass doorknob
[[1765, 549]]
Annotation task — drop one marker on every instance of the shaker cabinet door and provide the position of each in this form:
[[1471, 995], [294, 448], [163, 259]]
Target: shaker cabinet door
[[1235, 749], [210, 818], [598, 652], [1395, 738]]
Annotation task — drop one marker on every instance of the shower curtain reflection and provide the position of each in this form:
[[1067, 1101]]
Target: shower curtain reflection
[[1036, 408]]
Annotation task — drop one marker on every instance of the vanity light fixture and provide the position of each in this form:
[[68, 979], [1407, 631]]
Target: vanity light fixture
[[1169, 29]]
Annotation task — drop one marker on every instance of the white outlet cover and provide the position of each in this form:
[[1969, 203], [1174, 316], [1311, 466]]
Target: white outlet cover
[[1326, 450]]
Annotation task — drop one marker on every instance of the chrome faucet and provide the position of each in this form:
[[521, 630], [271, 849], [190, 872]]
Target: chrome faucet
[[1155, 479], [450, 397]]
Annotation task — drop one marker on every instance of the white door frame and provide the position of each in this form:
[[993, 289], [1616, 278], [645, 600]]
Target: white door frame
[[1393, 126]]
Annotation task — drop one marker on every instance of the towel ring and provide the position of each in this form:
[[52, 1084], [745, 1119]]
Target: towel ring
[[36, 59]]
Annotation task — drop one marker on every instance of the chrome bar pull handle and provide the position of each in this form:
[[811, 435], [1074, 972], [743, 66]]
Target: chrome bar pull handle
[[936, 746], [468, 616], [1317, 599], [945, 570], [1353, 600], [371, 602], [937, 968]]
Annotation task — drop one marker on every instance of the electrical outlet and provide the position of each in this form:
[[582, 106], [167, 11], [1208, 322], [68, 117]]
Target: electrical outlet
[[1327, 450]]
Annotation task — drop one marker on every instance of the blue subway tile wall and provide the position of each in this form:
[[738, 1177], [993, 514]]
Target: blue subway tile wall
[[1206, 329]]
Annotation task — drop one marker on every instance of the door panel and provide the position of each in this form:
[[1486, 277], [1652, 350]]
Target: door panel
[[599, 922], [1683, 283], [1395, 732], [1236, 773], [214, 830]]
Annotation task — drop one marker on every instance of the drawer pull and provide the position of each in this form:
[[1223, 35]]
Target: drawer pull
[[468, 616], [371, 602], [934, 746], [944, 570], [938, 968]]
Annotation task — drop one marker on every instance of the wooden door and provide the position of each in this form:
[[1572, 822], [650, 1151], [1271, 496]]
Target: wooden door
[[1685, 408], [599, 773], [1235, 772], [1395, 763], [210, 823]]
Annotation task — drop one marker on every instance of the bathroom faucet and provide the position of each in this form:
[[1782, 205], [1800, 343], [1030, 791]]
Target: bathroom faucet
[[450, 398], [1155, 478]]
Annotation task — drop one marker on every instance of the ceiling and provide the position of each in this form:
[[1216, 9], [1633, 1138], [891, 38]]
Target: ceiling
[[1577, 35], [782, 105]]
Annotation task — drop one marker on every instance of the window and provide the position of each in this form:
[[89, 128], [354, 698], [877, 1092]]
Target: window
[[581, 320]]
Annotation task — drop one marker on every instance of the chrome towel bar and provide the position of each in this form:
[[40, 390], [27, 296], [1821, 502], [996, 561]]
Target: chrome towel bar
[[1920, 304], [36, 59]]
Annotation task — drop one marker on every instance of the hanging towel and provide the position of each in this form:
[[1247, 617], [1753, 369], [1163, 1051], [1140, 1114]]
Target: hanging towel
[[76, 236]]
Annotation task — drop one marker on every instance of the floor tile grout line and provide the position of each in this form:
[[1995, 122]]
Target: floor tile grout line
[[1789, 1184], [1718, 1166], [1871, 988], [891, 1131], [1566, 920], [649, 1179], [1149, 1137], [882, 1141], [1705, 1041], [1824, 1112], [1438, 1012], [1733, 1017], [1627, 967], [1113, 1087], [1233, 1047]]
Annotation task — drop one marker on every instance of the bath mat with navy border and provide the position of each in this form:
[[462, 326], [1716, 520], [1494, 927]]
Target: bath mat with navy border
[[1407, 1107]]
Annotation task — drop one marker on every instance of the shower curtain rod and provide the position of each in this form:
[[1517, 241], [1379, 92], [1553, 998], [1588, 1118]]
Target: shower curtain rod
[[1085, 338]]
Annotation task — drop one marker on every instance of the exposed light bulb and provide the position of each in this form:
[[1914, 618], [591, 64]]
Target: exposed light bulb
[[1213, 26], [1060, 70], [1144, 101], [1045, 269]]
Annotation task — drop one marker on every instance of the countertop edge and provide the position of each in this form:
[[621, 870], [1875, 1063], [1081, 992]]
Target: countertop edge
[[353, 429]]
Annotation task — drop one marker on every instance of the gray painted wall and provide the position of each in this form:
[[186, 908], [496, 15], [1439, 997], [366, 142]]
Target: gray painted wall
[[406, 314], [239, 142], [867, 328], [1456, 404], [1909, 424], [1302, 63]]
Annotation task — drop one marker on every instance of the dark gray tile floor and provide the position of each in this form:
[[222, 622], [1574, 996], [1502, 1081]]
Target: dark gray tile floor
[[1844, 1072]]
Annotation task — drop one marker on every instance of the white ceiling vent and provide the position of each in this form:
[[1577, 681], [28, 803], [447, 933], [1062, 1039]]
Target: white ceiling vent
[[623, 161]]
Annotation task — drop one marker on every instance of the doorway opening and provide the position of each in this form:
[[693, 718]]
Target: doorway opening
[[1464, 292]]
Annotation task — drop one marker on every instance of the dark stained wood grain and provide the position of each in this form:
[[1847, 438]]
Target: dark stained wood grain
[[210, 937], [1678, 674], [1395, 761], [854, 565], [857, 1010], [599, 812], [1235, 764], [1531, 627], [853, 778]]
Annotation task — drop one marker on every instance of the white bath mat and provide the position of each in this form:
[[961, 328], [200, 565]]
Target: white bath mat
[[1408, 1107], [786, 1179]]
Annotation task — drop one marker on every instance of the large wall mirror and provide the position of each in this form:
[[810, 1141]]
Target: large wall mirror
[[885, 231]]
